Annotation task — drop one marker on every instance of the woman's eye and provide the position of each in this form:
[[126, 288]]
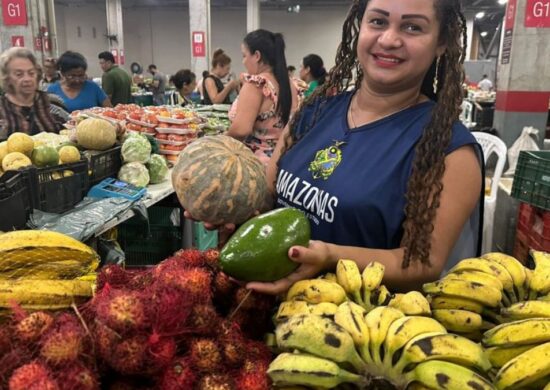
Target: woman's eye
[[376, 22], [413, 28]]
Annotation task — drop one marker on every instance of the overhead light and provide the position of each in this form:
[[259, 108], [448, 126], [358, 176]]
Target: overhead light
[[483, 33], [501, 2], [480, 15], [294, 9]]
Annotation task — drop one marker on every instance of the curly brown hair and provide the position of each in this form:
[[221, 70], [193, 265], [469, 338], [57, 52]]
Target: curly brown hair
[[424, 186]]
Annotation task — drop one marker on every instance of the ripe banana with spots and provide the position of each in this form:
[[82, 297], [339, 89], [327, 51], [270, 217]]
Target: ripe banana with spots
[[349, 277], [499, 356], [526, 309], [371, 278], [380, 296], [516, 270], [288, 309], [525, 368], [540, 279], [462, 321], [476, 276], [522, 332], [412, 303], [316, 291], [478, 292], [319, 336], [351, 317], [308, 370], [437, 374], [378, 321], [447, 302]]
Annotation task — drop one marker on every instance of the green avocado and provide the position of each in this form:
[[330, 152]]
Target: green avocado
[[258, 250]]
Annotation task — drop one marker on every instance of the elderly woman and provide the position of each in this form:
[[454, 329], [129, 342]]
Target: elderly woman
[[24, 108], [74, 88]]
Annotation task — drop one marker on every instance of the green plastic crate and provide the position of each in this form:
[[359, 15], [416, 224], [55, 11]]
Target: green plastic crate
[[204, 239], [532, 179]]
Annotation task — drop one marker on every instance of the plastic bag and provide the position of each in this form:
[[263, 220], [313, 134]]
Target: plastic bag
[[524, 142]]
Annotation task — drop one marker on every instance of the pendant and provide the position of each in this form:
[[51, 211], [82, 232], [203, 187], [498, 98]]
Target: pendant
[[326, 160]]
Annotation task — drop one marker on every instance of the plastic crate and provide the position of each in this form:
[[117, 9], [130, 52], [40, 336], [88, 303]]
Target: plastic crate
[[15, 201], [204, 239], [102, 165], [521, 247], [532, 179], [57, 189], [142, 248]]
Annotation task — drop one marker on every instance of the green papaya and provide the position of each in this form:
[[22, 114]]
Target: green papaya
[[44, 156], [258, 250]]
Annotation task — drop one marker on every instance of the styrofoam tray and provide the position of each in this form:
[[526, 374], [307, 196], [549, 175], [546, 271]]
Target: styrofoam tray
[[175, 121], [136, 122], [170, 152], [168, 142], [169, 130]]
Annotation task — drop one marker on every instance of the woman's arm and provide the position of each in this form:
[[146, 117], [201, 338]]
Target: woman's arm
[[248, 108], [215, 96], [461, 189], [106, 102]]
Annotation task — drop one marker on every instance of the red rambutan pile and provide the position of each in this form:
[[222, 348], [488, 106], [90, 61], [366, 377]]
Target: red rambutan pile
[[178, 375], [32, 376], [11, 360], [78, 377], [160, 352], [216, 382], [114, 275], [205, 355], [195, 282], [224, 286], [64, 342], [252, 380], [212, 258], [128, 356], [171, 309], [122, 310], [30, 327], [204, 319]]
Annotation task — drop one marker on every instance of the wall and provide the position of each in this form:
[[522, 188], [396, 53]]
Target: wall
[[161, 35]]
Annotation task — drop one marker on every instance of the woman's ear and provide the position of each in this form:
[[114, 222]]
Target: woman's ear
[[258, 56]]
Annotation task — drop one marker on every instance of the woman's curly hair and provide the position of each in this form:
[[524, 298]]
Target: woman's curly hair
[[424, 186]]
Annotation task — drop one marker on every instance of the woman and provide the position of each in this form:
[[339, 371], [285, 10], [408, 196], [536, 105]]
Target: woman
[[51, 75], [267, 97], [185, 82], [74, 88], [312, 72], [23, 108], [214, 90]]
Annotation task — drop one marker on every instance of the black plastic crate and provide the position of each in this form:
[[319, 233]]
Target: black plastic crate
[[143, 248], [57, 189], [532, 179], [102, 165], [15, 201]]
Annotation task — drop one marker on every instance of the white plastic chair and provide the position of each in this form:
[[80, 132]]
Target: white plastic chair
[[491, 144], [466, 115]]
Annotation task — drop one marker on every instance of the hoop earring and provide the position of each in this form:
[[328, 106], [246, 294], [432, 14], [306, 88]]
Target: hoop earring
[[436, 75]]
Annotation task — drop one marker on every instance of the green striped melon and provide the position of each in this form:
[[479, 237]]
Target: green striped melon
[[219, 180]]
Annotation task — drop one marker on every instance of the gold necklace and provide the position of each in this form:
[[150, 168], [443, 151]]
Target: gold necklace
[[354, 99]]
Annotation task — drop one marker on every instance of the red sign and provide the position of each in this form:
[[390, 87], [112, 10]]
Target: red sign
[[114, 52], [198, 43], [122, 59], [510, 14], [38, 43], [14, 12], [47, 43], [18, 41], [537, 13]]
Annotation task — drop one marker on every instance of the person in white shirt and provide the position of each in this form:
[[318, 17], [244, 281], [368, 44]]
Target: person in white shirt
[[485, 84]]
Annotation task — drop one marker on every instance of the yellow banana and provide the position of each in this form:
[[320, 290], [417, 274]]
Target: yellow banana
[[525, 368], [316, 291], [291, 308], [522, 332], [514, 268], [323, 309], [547, 387], [527, 309], [544, 297], [371, 278], [412, 303], [454, 320], [330, 277], [540, 279], [402, 330], [477, 276], [380, 296], [448, 302], [437, 374], [447, 347], [349, 277], [379, 320], [486, 295], [418, 386], [319, 336], [499, 356], [351, 317], [307, 370]]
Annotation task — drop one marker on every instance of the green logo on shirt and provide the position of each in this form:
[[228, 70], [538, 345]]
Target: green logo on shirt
[[326, 161]]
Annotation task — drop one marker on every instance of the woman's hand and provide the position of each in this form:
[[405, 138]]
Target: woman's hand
[[313, 260]]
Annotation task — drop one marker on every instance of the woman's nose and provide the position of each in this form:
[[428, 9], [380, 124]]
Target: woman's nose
[[390, 38]]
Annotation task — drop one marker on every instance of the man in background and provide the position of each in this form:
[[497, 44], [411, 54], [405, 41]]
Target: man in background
[[115, 81], [158, 87], [485, 84]]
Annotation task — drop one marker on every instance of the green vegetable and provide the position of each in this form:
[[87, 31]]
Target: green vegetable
[[258, 251], [44, 156], [136, 149], [158, 168], [134, 173]]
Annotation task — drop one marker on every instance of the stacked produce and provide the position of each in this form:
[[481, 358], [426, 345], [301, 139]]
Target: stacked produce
[[332, 331], [180, 325]]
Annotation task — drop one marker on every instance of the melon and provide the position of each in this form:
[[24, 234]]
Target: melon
[[68, 154], [219, 180], [44, 156], [15, 160], [20, 142], [95, 134]]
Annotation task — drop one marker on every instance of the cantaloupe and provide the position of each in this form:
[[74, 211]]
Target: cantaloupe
[[20, 142], [95, 134], [15, 160]]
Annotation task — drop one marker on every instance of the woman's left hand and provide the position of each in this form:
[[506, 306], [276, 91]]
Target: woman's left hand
[[313, 259]]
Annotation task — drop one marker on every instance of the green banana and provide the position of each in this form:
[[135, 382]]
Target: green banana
[[307, 370], [540, 279], [514, 268], [447, 347], [319, 336], [499, 356], [522, 332], [455, 320], [527, 309], [525, 368], [316, 291], [412, 303], [378, 321], [437, 374], [486, 295], [351, 317], [349, 277], [447, 302], [402, 330]]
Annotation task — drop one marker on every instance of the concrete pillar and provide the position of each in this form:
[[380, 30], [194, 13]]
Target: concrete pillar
[[470, 37], [252, 15], [115, 29], [523, 89], [199, 25]]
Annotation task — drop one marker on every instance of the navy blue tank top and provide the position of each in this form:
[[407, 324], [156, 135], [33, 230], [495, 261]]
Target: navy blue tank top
[[351, 183]]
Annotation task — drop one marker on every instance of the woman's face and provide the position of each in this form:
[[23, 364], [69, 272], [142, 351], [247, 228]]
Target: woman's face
[[49, 68], [187, 89], [22, 76], [250, 60], [222, 70], [305, 73], [75, 78], [398, 42]]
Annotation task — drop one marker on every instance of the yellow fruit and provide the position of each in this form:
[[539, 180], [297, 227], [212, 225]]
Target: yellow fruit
[[68, 154], [15, 160], [20, 142], [67, 173], [3, 150]]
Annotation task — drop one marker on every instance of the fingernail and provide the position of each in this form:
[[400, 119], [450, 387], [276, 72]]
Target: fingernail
[[294, 252]]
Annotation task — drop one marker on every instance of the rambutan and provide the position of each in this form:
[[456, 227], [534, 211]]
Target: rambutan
[[252, 381], [5, 340], [129, 355], [204, 319], [122, 310], [212, 257], [191, 257], [205, 355], [258, 351], [178, 375], [105, 339], [196, 282], [160, 353], [11, 360], [78, 377], [223, 285], [32, 376], [171, 310], [64, 342], [33, 326], [233, 352], [216, 382], [114, 275]]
